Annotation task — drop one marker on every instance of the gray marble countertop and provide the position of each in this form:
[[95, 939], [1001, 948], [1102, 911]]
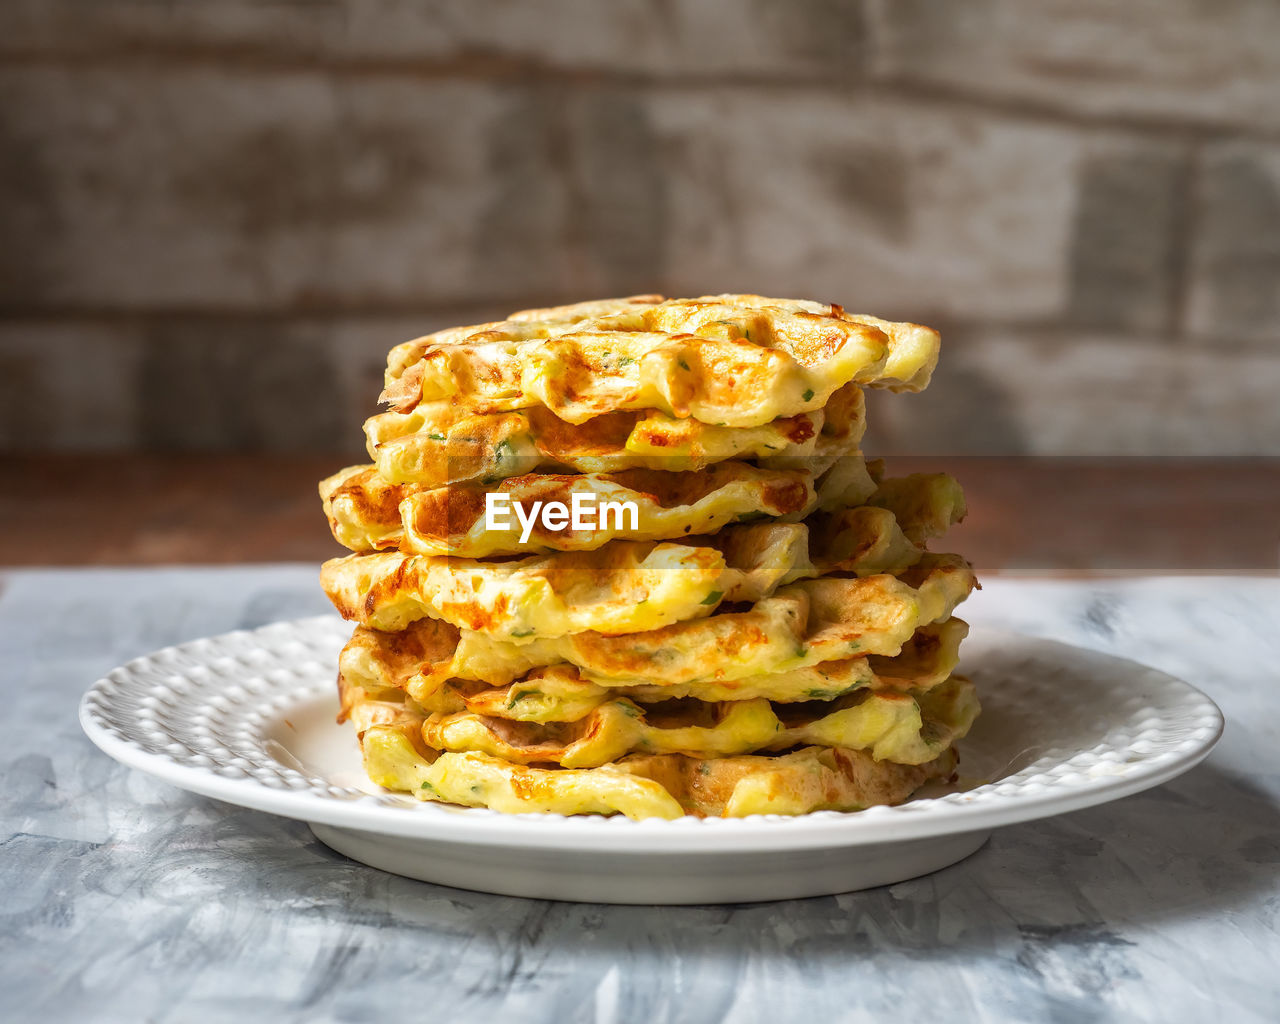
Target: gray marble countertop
[[126, 899]]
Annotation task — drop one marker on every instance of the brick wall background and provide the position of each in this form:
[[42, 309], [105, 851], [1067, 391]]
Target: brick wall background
[[217, 216]]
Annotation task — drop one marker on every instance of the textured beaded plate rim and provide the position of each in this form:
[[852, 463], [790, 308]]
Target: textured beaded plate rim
[[201, 716]]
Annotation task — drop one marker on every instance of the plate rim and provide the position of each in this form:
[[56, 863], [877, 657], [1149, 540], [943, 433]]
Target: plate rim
[[921, 819]]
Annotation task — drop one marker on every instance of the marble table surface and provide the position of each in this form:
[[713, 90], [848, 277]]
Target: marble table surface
[[125, 899]]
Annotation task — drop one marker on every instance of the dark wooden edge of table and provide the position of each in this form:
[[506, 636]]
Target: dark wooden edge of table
[[1027, 515]]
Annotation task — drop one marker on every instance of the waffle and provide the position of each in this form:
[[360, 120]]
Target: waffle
[[366, 513], [626, 586], [736, 360], [638, 786], [802, 625], [805, 625], [893, 726], [627, 557], [444, 442], [419, 661]]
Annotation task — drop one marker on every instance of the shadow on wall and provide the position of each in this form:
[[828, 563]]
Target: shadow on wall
[[605, 202], [207, 388], [964, 412]]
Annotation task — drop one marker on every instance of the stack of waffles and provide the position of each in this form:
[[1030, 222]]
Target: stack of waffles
[[627, 557]]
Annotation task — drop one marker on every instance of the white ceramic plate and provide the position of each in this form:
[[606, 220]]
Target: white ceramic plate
[[248, 717]]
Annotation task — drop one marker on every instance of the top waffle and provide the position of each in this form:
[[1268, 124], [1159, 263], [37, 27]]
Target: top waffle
[[728, 360]]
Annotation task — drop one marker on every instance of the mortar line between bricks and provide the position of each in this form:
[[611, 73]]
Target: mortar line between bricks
[[1189, 227], [497, 70], [1154, 127], [1043, 330], [12, 314]]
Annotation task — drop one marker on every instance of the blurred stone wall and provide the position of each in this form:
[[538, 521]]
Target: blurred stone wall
[[217, 216]]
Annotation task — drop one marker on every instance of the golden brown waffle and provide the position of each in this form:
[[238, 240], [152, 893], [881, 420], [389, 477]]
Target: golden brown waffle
[[893, 726], [638, 786], [366, 513], [443, 442], [418, 660], [926, 504], [756, 625], [735, 360], [624, 587], [804, 625]]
